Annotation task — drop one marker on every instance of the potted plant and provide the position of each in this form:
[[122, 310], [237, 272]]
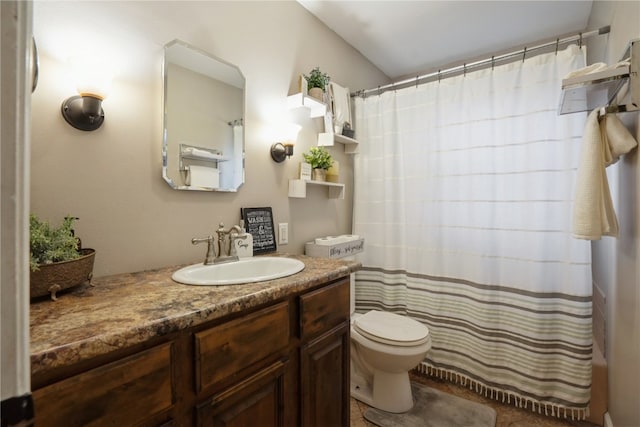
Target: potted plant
[[57, 260], [320, 160], [317, 82]]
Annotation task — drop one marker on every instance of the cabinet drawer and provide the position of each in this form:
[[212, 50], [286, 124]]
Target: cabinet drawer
[[125, 392], [227, 349], [323, 309]]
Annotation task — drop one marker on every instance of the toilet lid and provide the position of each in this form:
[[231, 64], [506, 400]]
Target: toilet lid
[[393, 329]]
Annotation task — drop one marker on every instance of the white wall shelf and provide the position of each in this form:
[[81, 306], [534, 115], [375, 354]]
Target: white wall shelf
[[316, 108], [319, 109], [329, 138], [298, 188]]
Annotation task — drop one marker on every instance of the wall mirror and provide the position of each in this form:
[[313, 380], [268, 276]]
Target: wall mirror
[[203, 137]]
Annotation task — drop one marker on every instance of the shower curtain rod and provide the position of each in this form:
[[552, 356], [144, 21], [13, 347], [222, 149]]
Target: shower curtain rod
[[449, 72]]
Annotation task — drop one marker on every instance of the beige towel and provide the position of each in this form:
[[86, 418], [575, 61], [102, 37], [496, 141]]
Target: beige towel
[[593, 68], [341, 103], [602, 144]]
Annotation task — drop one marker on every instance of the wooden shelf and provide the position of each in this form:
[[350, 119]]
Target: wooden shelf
[[298, 188]]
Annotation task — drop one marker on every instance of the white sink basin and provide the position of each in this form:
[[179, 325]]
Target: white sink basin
[[246, 270]]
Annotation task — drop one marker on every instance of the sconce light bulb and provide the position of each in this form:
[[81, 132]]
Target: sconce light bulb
[[288, 149], [93, 76]]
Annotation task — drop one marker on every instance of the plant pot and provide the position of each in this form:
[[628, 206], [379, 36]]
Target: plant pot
[[317, 93], [55, 277], [319, 174]]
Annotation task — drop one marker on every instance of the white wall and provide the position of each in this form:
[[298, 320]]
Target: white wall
[[15, 79], [111, 178], [616, 262]]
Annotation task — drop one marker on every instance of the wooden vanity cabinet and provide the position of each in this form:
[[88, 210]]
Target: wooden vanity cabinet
[[317, 368], [283, 364]]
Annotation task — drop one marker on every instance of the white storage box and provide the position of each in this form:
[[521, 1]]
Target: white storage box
[[339, 249]]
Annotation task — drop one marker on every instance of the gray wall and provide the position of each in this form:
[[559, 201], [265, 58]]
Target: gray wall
[[616, 262], [111, 178]]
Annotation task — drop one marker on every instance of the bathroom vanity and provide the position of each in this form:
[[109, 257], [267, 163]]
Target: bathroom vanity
[[141, 349]]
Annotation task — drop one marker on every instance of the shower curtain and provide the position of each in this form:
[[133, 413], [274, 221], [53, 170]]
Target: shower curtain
[[463, 193]]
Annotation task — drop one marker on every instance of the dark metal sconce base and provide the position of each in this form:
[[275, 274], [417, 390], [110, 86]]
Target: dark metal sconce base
[[279, 152], [73, 111]]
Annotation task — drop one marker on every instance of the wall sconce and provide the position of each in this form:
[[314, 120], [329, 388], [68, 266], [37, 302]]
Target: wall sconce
[[93, 81], [281, 150]]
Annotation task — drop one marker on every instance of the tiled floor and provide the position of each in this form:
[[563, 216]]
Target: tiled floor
[[508, 415]]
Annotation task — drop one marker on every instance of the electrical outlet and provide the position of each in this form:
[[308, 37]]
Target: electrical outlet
[[283, 233]]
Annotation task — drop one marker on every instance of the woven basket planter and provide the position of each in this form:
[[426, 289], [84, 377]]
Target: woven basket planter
[[52, 278]]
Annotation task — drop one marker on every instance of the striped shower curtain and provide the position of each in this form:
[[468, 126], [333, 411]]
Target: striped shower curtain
[[463, 192]]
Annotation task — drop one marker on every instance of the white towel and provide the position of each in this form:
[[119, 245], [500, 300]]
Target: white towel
[[616, 139], [593, 68], [602, 144], [200, 153]]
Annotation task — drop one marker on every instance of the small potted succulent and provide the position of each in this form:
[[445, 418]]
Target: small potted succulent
[[57, 260], [317, 82], [320, 160]]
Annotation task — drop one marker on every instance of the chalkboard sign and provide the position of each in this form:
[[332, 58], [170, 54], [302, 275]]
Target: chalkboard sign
[[259, 222]]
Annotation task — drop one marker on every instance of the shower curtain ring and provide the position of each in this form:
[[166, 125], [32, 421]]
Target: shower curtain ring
[[524, 53], [557, 45], [580, 41], [493, 62], [464, 70], [417, 78], [439, 76]]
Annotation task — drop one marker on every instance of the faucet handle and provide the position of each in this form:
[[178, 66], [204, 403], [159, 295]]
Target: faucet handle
[[211, 251]]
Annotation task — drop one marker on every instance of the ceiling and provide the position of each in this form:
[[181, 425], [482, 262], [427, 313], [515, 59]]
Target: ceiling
[[406, 38]]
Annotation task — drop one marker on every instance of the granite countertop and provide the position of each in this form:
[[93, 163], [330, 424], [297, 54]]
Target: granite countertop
[[123, 310]]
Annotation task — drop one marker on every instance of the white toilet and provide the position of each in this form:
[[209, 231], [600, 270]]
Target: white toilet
[[384, 347]]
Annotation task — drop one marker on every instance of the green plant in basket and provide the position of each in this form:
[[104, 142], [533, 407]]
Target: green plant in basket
[[317, 78], [49, 244], [318, 158]]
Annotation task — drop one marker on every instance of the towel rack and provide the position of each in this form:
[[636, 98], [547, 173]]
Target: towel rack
[[590, 91], [192, 152]]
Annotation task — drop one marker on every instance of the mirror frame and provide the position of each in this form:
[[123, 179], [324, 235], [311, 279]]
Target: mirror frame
[[165, 142]]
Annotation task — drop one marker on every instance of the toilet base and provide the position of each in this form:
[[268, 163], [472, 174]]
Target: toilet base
[[391, 392]]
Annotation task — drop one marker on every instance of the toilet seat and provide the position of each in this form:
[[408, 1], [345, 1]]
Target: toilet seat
[[392, 329]]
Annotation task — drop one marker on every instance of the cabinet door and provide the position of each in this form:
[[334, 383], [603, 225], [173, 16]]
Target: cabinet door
[[256, 401], [324, 364]]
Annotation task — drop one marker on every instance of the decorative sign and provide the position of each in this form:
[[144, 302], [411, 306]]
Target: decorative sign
[[259, 223], [305, 171]]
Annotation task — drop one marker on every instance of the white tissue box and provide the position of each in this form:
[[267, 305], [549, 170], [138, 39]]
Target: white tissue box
[[337, 250]]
